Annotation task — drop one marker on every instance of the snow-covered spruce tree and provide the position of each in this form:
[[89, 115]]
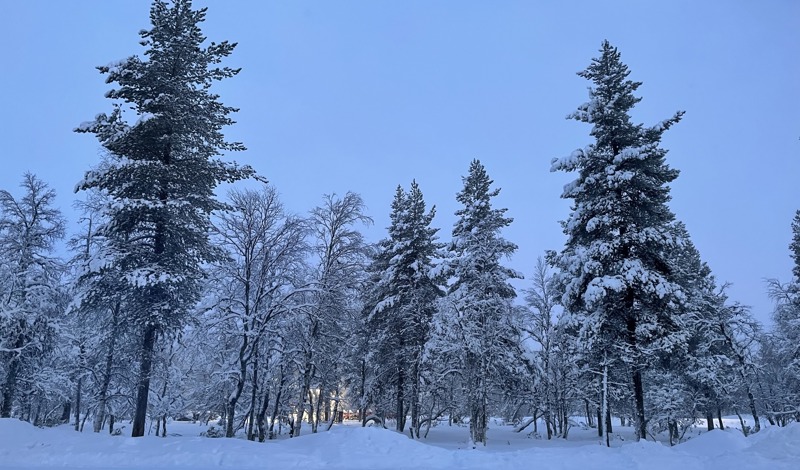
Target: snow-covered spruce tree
[[482, 295], [161, 172], [405, 301], [614, 265], [30, 277]]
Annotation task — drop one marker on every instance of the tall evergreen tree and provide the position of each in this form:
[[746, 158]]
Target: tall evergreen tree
[[161, 172], [614, 265], [481, 294], [405, 299]]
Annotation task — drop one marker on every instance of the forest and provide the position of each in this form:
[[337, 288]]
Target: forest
[[173, 304]]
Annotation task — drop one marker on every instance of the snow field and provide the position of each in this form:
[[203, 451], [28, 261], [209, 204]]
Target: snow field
[[353, 447]]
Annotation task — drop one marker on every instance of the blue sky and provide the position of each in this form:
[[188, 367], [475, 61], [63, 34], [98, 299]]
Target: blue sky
[[366, 95]]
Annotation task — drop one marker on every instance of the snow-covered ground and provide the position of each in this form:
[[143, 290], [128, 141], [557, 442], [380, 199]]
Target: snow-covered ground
[[353, 447]]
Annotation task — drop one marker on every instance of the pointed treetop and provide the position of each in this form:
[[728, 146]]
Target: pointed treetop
[[795, 245]]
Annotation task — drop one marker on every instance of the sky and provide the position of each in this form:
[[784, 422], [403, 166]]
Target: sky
[[365, 95]]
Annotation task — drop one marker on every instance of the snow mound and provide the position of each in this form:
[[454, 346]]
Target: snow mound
[[357, 448], [778, 443], [714, 443]]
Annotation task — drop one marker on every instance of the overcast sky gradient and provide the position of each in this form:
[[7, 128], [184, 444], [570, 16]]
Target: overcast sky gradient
[[363, 96]]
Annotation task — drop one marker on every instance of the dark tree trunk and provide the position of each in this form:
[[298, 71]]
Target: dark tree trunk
[[362, 410], [10, 385], [589, 415], [103, 395], [638, 392], [638, 387], [401, 413], [326, 417], [262, 413], [78, 390], [143, 389], [276, 408], [719, 418], [65, 412], [599, 421], [253, 396], [673, 432], [709, 419], [415, 392]]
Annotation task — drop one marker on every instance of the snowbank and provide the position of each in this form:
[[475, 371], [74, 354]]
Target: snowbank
[[24, 446]]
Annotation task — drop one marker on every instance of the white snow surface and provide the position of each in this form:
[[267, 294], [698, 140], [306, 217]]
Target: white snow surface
[[353, 447]]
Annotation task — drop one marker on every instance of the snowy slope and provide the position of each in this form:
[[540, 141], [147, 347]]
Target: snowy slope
[[352, 447]]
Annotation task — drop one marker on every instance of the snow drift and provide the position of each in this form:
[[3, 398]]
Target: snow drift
[[24, 446]]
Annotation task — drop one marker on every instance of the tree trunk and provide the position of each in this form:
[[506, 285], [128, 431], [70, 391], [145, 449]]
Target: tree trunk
[[103, 395], [719, 417], [638, 388], [65, 412], [10, 385], [589, 415], [415, 393], [401, 413], [752, 401], [162, 397], [308, 373], [638, 392], [334, 414], [143, 389], [742, 423], [253, 395], [262, 413], [362, 409], [605, 420], [709, 419], [599, 411], [275, 409], [78, 387], [477, 400], [312, 407], [673, 431], [233, 398]]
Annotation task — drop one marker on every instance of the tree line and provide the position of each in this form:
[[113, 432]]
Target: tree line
[[177, 305]]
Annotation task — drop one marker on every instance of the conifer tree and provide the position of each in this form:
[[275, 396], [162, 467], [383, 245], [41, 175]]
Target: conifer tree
[[614, 265], [481, 294], [161, 171], [404, 300]]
